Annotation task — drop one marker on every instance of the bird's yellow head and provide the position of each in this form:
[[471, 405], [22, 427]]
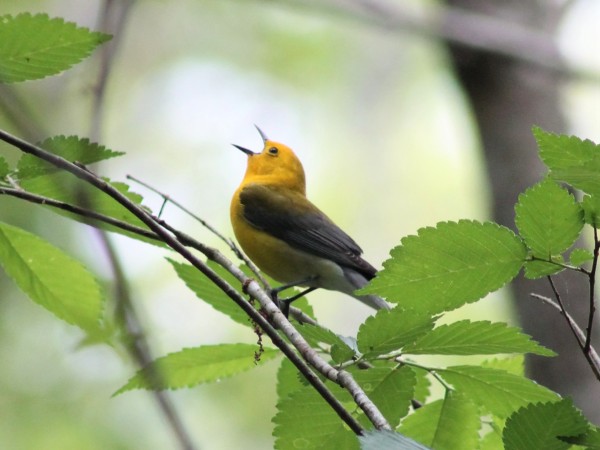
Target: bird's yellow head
[[276, 164]]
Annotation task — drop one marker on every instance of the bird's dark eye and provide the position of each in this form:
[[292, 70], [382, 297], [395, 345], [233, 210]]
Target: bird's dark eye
[[273, 150]]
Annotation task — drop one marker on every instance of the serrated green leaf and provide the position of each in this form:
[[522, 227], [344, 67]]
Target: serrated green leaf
[[341, 353], [52, 278], [591, 210], [387, 440], [304, 420], [192, 366], [496, 391], [207, 291], [548, 218], [390, 330], [66, 188], [423, 385], [540, 426], [35, 46], [514, 364], [449, 424], [580, 256], [71, 148], [391, 389], [423, 423], [538, 269], [289, 379], [570, 159], [475, 338], [447, 266], [4, 167]]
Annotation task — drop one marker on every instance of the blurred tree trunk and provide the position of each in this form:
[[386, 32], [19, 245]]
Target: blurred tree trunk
[[508, 98]]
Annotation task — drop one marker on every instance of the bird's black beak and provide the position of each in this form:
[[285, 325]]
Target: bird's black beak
[[262, 135], [245, 150]]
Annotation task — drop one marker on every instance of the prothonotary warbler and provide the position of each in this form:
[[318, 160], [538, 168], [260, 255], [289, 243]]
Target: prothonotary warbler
[[288, 237]]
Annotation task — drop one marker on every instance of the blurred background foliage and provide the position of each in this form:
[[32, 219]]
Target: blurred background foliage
[[378, 118]]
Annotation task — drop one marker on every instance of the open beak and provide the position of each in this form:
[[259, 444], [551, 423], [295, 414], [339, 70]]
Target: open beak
[[250, 152], [262, 135], [245, 150]]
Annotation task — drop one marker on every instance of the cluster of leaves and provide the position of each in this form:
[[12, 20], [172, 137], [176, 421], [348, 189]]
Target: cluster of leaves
[[488, 406]]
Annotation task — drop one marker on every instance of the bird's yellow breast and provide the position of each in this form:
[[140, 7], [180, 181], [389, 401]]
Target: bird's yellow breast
[[273, 256]]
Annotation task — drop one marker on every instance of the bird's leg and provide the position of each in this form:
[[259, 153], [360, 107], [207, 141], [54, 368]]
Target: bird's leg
[[284, 303]]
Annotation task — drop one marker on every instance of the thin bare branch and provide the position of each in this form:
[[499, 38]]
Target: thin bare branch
[[83, 212], [592, 355], [234, 248]]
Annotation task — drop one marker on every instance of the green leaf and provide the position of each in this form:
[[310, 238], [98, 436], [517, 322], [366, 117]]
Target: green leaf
[[496, 391], [192, 366], [387, 440], [391, 389], [447, 266], [570, 159], [4, 167], [492, 440], [315, 334], [341, 353], [449, 424], [390, 330], [580, 256], [207, 291], [549, 219], [423, 385], [33, 47], [304, 420], [537, 269], [52, 278], [514, 364], [289, 379], [66, 188], [540, 426], [591, 210], [590, 439], [475, 338], [71, 148]]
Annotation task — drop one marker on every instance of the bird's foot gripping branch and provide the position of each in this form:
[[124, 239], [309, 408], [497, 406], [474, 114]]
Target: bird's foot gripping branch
[[381, 370]]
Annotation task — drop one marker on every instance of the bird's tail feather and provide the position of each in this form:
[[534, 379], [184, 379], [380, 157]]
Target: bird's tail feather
[[358, 281]]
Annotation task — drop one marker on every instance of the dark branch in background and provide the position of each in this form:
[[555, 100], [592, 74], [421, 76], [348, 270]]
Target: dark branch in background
[[113, 20], [591, 355], [592, 275], [20, 114], [455, 26], [341, 377]]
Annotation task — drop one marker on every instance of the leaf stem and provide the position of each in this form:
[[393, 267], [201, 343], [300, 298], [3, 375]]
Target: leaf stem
[[430, 370]]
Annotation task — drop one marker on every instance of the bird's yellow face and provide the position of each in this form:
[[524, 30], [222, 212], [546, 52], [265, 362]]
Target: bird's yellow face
[[276, 164]]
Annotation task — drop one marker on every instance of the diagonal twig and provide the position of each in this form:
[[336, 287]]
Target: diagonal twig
[[592, 355], [234, 248]]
